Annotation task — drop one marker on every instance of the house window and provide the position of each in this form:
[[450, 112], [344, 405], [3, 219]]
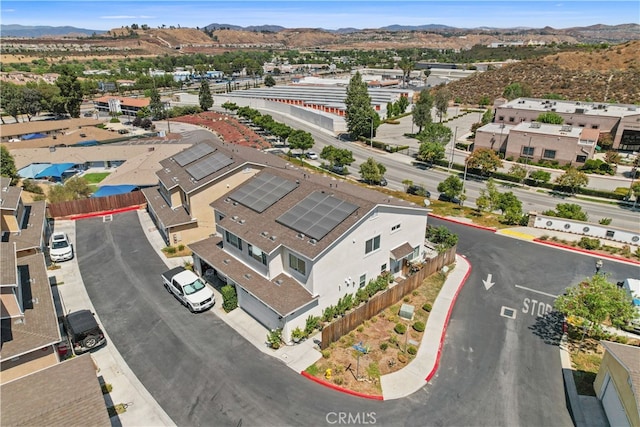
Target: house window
[[383, 268], [233, 240], [372, 245], [549, 154], [363, 280], [257, 254], [416, 252], [297, 264], [581, 159], [528, 151], [512, 119], [594, 126], [501, 118], [395, 227]]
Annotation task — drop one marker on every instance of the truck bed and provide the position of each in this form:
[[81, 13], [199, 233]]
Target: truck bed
[[168, 275]]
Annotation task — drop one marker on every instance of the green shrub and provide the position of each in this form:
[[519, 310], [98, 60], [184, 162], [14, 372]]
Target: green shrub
[[426, 307], [326, 354], [605, 221], [313, 322], [393, 339], [170, 250], [419, 326], [412, 350], [588, 243], [181, 247], [31, 187], [313, 370], [274, 338], [383, 346], [400, 328], [229, 298], [360, 328]]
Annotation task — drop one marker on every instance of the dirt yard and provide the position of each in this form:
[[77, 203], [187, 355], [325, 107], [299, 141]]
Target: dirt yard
[[388, 350]]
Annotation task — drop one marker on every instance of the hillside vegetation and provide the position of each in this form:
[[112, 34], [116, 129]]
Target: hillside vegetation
[[606, 75]]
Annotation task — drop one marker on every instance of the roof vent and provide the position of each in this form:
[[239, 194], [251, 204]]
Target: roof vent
[[247, 276], [234, 218], [300, 236], [278, 282], [273, 238], [242, 221], [226, 261], [536, 125], [235, 203], [565, 128], [265, 234], [227, 200], [313, 241]]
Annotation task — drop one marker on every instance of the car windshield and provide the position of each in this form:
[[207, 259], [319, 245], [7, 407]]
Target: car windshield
[[194, 287], [60, 244]]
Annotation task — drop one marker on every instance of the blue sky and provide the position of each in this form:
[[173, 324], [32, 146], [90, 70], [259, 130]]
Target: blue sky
[[329, 14]]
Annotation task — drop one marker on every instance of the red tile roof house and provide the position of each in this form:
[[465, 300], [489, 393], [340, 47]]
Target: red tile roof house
[[292, 242]]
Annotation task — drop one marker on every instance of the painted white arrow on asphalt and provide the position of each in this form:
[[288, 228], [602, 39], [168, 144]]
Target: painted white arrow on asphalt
[[487, 282]]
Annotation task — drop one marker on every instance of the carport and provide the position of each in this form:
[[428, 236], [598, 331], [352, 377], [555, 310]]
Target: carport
[[56, 171], [112, 190], [30, 172]]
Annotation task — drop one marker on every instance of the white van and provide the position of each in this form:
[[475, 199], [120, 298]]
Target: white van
[[632, 286]]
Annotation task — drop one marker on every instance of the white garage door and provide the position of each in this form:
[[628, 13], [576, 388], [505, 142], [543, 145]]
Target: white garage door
[[613, 407], [257, 309]]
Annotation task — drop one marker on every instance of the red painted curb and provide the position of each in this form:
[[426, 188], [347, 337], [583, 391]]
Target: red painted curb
[[340, 389], [446, 323], [585, 251], [481, 227], [103, 213]]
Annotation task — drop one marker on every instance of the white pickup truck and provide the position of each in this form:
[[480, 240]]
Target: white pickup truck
[[189, 289]]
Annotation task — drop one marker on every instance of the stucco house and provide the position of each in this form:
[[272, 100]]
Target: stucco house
[[292, 243], [617, 384], [22, 224]]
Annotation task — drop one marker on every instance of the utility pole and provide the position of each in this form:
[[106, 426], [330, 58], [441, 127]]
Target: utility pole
[[453, 146], [371, 139]]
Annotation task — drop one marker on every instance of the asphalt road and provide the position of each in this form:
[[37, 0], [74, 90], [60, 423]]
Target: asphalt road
[[495, 370]]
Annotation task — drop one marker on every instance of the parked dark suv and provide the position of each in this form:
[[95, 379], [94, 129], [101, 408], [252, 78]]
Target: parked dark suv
[[84, 332], [418, 190]]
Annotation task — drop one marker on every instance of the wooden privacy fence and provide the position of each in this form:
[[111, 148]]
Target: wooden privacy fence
[[95, 204], [342, 326]]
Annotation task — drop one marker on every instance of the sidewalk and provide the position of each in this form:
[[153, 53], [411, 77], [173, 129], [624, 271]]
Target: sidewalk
[[411, 378]]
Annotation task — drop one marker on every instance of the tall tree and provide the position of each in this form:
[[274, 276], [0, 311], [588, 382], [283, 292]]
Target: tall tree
[[406, 65], [550, 117], [484, 159], [361, 118], [451, 187], [204, 96], [597, 300], [300, 140], [70, 91], [269, 81], [518, 171], [516, 90], [422, 110], [441, 100], [155, 105], [435, 132], [572, 179], [430, 151], [31, 102], [372, 171], [8, 165]]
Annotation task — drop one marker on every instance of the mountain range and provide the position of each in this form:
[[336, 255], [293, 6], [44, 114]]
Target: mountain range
[[593, 33]]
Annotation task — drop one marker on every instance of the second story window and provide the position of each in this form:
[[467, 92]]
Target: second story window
[[233, 240], [372, 245], [257, 254], [297, 264]]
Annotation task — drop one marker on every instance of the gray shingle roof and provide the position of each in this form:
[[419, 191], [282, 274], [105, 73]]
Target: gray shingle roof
[[9, 195], [39, 328], [31, 233], [65, 394], [629, 358]]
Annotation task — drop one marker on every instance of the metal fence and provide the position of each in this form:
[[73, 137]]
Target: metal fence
[[342, 326], [95, 204]]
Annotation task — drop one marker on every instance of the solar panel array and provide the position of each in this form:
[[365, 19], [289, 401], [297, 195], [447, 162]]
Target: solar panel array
[[262, 191], [193, 153], [208, 165], [317, 214]]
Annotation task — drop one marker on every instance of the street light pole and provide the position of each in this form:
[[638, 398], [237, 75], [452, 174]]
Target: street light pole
[[453, 146], [371, 139]]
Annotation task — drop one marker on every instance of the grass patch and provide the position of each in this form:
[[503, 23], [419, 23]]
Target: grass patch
[[176, 251], [313, 370], [94, 178]]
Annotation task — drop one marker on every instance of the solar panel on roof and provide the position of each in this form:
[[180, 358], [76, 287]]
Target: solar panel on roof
[[193, 153], [208, 165], [317, 214], [262, 191]]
